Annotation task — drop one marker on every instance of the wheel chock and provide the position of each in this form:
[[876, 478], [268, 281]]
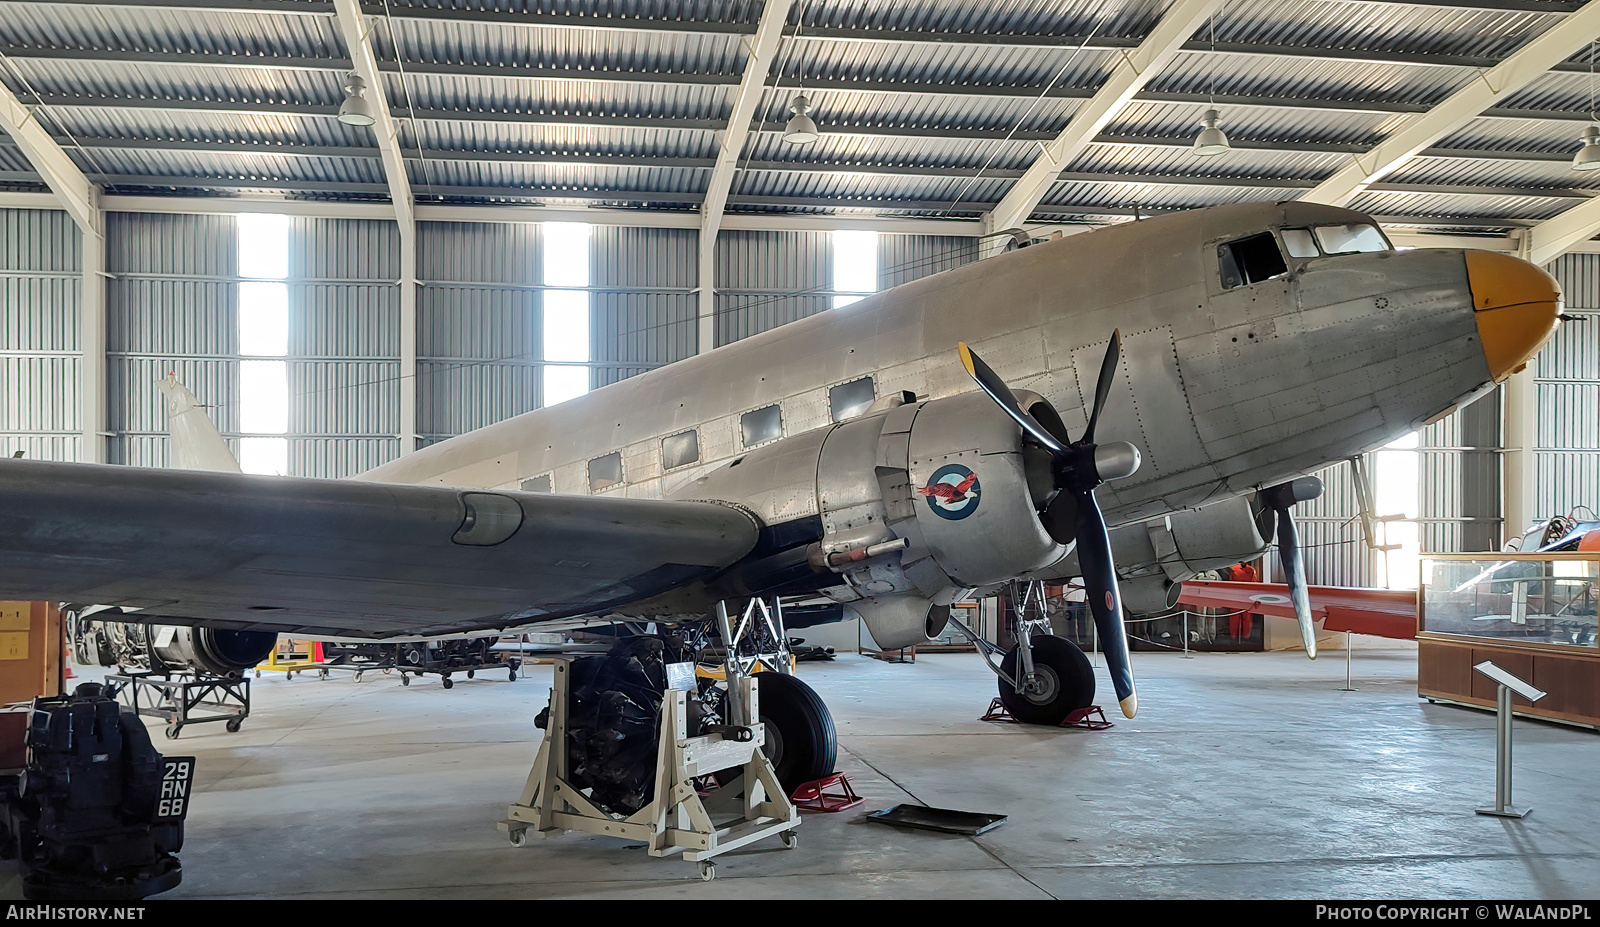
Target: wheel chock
[[813, 795]]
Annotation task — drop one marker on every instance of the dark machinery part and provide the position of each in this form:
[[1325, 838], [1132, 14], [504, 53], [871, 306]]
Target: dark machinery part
[[161, 648], [95, 815]]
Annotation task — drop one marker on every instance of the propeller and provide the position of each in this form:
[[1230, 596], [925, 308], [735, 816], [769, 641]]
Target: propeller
[[1281, 500], [1073, 515]]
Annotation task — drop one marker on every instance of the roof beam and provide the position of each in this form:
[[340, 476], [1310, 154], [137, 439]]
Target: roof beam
[[1534, 59], [763, 54], [355, 27], [1129, 74], [76, 194], [1566, 232]]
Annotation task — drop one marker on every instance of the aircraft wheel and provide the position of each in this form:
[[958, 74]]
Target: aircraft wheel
[[1066, 682], [801, 742]]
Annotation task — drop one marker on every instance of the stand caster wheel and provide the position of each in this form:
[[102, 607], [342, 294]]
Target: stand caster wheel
[[519, 838], [322, 674], [708, 871], [233, 725], [448, 683], [405, 680], [172, 732], [790, 839], [513, 676], [358, 675], [387, 670], [470, 673]]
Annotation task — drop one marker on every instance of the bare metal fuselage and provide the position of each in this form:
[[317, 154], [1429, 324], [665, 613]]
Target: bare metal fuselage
[[1223, 390]]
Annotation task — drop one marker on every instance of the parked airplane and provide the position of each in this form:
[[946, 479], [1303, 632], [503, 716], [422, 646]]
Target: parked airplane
[[1259, 342]]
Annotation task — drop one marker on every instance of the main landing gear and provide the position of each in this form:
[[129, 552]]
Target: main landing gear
[[1044, 678]]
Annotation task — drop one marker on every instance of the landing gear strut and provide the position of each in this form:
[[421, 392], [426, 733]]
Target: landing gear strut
[[1044, 678]]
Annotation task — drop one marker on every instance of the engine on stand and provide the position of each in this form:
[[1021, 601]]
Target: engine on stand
[[179, 674], [97, 814]]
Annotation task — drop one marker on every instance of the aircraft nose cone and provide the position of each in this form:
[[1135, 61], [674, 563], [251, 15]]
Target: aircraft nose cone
[[1516, 306]]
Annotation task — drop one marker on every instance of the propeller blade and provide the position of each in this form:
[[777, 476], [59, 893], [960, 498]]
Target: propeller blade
[[1102, 389], [1294, 574], [990, 383], [1105, 599]]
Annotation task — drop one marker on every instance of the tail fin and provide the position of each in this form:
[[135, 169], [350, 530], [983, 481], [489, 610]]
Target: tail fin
[[196, 444]]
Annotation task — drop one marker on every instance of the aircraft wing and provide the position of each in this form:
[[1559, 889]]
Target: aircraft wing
[[341, 557], [1379, 612]]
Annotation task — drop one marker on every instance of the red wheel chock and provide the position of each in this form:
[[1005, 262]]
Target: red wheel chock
[[813, 795]]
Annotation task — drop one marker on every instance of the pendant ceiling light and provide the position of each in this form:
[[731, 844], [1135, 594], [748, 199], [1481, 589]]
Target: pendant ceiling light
[[1588, 157], [1211, 140], [357, 109], [801, 129]]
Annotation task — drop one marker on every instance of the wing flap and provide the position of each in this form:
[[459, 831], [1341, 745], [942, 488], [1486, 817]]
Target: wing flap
[[352, 558]]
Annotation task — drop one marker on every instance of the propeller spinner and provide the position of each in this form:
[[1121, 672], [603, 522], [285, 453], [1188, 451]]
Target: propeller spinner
[[1073, 515]]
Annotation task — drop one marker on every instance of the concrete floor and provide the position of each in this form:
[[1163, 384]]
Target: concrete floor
[[1245, 776]]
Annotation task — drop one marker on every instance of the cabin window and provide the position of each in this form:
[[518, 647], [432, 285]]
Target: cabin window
[[1250, 260], [680, 450], [1351, 239], [605, 471], [537, 484], [761, 425], [1299, 243], [847, 400]]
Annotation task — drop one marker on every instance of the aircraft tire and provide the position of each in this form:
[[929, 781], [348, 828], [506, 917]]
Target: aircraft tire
[[1069, 676], [801, 741]]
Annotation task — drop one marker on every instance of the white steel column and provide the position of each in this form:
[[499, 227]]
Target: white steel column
[[408, 338], [92, 346], [1517, 467]]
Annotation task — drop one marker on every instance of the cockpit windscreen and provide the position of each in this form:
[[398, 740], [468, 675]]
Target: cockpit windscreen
[[1350, 239]]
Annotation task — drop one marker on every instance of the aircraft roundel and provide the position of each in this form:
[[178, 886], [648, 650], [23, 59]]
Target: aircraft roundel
[[952, 492]]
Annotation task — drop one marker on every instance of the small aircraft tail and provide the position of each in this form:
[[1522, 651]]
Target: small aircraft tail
[[196, 444]]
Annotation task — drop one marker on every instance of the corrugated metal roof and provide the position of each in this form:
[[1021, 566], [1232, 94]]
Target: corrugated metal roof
[[905, 122]]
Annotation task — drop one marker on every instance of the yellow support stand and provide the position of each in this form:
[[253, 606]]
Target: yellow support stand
[[292, 656]]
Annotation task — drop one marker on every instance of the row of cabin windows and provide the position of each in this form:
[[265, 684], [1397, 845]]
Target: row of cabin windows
[[756, 427], [1257, 258]]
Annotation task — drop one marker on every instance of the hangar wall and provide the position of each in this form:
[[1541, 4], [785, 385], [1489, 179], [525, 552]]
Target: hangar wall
[[40, 279], [1567, 396]]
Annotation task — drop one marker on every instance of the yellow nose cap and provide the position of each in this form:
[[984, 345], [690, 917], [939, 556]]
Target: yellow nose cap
[[1516, 305]]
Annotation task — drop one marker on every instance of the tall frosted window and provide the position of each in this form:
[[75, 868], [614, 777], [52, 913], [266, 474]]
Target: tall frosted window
[[263, 334], [855, 266], [566, 311], [1396, 479]]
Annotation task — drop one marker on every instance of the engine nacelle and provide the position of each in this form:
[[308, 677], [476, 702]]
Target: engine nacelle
[[165, 647], [1154, 557]]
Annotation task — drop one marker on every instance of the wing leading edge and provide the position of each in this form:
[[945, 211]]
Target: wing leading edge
[[344, 558]]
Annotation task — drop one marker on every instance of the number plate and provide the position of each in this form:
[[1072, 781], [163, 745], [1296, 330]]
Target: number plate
[[177, 779]]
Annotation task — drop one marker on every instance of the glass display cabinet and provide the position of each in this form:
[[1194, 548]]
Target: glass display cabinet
[[1532, 614]]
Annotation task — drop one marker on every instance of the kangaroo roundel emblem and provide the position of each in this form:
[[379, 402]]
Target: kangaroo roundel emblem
[[952, 492]]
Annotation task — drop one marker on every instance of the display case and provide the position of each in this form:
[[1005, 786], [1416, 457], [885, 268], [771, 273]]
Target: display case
[[1532, 614]]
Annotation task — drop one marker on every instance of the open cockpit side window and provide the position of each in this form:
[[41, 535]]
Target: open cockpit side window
[[1351, 238], [1250, 260]]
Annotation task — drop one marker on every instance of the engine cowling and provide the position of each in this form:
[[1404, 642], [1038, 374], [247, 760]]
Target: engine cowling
[[1154, 557], [167, 648]]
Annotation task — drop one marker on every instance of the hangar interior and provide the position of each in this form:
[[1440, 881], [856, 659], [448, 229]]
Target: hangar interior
[[358, 229]]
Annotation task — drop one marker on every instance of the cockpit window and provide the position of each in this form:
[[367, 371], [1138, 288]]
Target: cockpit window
[[1350, 239], [1250, 260], [1299, 243]]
